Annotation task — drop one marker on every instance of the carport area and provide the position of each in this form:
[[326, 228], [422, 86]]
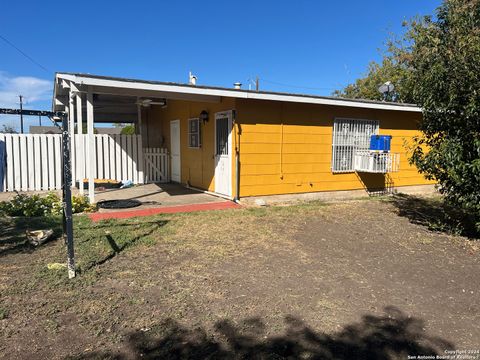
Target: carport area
[[147, 154]]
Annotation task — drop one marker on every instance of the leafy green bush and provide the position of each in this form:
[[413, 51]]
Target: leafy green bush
[[36, 205], [81, 204]]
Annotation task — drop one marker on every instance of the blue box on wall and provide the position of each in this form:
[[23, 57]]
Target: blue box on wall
[[380, 142]]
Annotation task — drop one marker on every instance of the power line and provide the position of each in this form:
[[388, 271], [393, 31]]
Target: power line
[[297, 86], [24, 54]]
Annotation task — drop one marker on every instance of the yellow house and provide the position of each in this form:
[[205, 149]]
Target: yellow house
[[239, 143]]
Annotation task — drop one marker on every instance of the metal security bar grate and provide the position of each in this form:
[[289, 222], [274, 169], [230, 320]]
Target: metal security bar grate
[[222, 136], [376, 162], [350, 136]]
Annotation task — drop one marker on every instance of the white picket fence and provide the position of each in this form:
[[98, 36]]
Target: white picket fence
[[157, 165], [34, 161]]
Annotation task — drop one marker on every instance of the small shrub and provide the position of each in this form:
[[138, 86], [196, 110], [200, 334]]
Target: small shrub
[[36, 205], [81, 204]]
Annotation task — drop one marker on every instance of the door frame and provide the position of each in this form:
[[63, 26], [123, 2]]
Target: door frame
[[179, 152], [229, 115]]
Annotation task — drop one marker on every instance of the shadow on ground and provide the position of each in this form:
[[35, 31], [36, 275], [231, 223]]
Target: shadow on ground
[[117, 243], [12, 236], [434, 214], [393, 335]]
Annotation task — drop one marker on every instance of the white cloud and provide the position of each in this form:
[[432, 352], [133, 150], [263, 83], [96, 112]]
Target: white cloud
[[37, 95], [33, 89]]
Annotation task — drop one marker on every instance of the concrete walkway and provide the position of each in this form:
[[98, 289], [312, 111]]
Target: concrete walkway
[[158, 195], [158, 199], [151, 195]]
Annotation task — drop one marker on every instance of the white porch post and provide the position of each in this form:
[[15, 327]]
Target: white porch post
[[71, 125], [90, 153], [139, 120], [81, 157], [140, 165]]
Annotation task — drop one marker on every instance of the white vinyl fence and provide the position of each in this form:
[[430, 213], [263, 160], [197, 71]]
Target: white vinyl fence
[[118, 157], [156, 165], [33, 162]]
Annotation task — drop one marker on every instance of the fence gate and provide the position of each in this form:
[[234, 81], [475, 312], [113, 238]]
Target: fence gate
[[156, 165]]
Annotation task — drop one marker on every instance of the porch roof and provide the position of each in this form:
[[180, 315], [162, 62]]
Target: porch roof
[[136, 88]]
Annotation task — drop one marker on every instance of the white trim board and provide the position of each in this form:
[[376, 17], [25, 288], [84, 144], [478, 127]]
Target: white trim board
[[179, 89]]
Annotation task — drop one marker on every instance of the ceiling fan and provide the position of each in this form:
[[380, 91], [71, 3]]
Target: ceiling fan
[[150, 102]]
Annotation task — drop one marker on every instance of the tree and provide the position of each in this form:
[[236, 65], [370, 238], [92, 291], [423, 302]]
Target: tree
[[436, 65], [445, 63], [128, 130], [392, 68], [8, 129]]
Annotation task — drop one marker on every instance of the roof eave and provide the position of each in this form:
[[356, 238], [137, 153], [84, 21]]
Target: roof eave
[[85, 79]]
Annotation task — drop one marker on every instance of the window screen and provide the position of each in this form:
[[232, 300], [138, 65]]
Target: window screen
[[349, 136], [194, 139]]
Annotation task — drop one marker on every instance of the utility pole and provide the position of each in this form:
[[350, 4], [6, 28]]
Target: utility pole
[[257, 85], [39, 120], [21, 113]]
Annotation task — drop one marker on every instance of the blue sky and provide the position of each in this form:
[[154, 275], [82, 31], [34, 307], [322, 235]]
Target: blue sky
[[317, 46]]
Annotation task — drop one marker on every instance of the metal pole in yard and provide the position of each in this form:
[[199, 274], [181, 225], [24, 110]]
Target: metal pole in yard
[[67, 198], [66, 177]]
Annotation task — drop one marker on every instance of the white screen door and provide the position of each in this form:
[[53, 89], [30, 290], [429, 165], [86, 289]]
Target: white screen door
[[175, 149], [223, 153]]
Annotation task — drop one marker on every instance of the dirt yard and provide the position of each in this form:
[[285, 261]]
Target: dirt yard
[[355, 280]]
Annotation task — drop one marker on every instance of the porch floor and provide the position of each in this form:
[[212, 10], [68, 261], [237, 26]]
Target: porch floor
[[157, 196]]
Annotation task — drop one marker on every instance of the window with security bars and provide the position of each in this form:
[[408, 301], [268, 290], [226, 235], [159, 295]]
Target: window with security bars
[[194, 138], [350, 136]]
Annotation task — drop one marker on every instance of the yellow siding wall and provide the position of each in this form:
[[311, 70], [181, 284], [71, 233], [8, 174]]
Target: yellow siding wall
[[197, 165], [284, 147], [287, 148]]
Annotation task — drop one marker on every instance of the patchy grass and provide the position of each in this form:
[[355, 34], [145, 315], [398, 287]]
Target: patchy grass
[[323, 263]]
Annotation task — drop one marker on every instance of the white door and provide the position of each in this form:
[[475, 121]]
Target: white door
[[175, 149], [223, 153]]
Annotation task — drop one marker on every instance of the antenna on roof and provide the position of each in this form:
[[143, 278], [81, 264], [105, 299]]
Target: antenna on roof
[[255, 83], [386, 89], [192, 79]]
